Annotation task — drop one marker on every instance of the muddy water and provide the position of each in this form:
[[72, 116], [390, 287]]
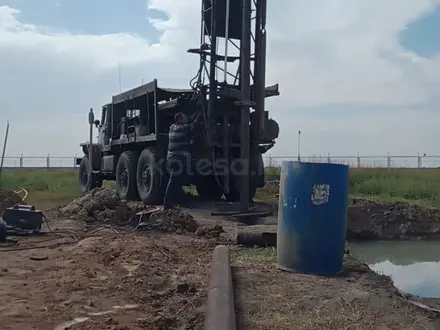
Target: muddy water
[[413, 266]]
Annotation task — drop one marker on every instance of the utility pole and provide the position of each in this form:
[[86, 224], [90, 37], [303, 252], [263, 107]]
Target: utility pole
[[299, 145], [3, 154]]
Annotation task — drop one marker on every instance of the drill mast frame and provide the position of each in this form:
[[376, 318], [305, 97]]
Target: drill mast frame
[[229, 93]]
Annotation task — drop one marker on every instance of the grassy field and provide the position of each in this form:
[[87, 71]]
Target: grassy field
[[46, 188], [415, 186], [59, 186]]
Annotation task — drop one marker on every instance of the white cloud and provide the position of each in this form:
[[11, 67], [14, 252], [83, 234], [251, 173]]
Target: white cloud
[[321, 52]]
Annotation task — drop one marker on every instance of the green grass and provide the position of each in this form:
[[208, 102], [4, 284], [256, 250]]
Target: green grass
[[59, 186], [272, 173], [46, 188], [254, 255], [416, 186]]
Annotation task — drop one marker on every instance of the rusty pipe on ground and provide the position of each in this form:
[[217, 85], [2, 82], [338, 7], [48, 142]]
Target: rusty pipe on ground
[[221, 310]]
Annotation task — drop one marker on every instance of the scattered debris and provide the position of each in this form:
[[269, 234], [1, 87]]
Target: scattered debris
[[8, 199], [209, 231], [274, 183], [22, 191], [39, 258], [69, 324], [428, 304]]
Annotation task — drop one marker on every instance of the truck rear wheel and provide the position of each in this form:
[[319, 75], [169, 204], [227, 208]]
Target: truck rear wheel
[[85, 185], [234, 190], [256, 180], [126, 176], [149, 178], [208, 188]]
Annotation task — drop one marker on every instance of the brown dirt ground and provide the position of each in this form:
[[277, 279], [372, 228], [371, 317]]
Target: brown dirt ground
[[121, 280], [268, 298], [111, 281]]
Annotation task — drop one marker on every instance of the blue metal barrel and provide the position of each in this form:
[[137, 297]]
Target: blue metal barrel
[[312, 217]]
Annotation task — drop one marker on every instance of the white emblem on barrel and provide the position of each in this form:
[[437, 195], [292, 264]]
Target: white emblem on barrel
[[320, 194]]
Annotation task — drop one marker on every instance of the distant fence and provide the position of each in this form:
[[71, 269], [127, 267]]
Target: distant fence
[[389, 161]]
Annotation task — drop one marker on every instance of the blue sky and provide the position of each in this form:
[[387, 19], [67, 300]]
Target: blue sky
[[344, 77], [421, 36], [92, 17], [115, 16]]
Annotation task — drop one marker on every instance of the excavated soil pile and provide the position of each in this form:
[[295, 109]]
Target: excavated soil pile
[[100, 205], [8, 199], [180, 222], [103, 205], [371, 220], [173, 221]]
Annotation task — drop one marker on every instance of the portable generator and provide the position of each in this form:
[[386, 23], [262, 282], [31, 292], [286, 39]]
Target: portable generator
[[23, 218]]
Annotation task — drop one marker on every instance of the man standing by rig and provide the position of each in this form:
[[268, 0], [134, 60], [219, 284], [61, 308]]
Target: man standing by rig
[[179, 154]]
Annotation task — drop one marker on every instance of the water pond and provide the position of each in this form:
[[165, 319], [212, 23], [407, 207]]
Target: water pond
[[413, 266]]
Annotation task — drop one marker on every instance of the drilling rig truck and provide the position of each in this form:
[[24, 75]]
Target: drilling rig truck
[[229, 92]]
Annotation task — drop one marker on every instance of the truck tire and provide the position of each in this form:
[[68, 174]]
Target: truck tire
[[126, 176], [83, 177], [256, 181], [208, 188], [234, 191], [150, 184]]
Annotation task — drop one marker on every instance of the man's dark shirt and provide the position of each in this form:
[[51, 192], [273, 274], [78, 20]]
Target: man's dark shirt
[[179, 144]]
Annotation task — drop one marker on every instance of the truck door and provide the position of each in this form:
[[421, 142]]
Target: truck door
[[104, 127]]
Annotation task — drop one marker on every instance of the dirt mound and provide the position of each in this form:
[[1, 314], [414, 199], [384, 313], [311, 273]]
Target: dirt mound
[[173, 221], [371, 220], [209, 231], [101, 205], [8, 199], [177, 221]]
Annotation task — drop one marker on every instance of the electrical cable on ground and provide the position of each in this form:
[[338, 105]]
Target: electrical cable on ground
[[4, 247], [17, 192], [58, 233], [12, 242], [54, 245], [75, 237]]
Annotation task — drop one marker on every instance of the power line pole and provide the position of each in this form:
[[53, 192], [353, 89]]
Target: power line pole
[[3, 154]]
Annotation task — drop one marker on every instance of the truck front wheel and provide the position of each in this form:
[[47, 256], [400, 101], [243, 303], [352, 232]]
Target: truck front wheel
[[150, 178], [85, 184], [126, 176]]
